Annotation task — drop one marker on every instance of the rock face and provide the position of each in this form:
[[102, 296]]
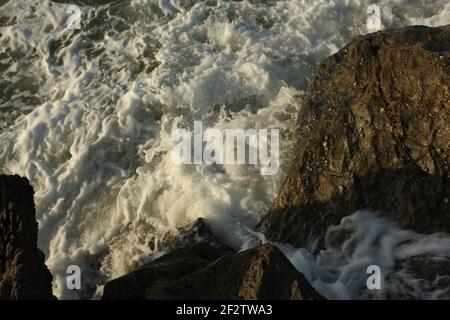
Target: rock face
[[256, 274], [205, 271], [23, 274], [374, 132]]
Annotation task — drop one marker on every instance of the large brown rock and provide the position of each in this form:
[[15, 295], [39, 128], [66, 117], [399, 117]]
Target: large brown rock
[[373, 132], [23, 273]]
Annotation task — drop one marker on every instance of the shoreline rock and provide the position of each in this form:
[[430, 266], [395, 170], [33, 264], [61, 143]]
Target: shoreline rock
[[23, 273], [206, 272], [373, 133]]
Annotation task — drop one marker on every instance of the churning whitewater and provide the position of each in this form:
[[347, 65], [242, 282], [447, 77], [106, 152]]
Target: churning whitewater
[[86, 115]]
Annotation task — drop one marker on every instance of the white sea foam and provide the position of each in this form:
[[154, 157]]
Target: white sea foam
[[87, 116], [364, 239], [409, 262]]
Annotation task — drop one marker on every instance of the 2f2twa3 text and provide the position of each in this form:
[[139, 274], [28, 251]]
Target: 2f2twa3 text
[[225, 310]]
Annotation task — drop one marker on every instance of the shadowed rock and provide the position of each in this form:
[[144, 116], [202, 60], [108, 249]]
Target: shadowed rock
[[257, 274], [210, 270], [149, 281], [23, 273]]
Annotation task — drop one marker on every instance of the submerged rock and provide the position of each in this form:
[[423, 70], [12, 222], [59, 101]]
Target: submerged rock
[[374, 132], [23, 273]]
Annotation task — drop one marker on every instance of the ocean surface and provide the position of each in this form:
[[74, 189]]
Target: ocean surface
[[87, 116]]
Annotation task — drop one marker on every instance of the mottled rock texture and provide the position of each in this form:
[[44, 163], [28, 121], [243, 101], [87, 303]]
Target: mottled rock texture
[[373, 132], [23, 273]]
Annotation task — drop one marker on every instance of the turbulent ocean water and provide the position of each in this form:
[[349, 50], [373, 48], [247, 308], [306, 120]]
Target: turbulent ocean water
[[87, 116]]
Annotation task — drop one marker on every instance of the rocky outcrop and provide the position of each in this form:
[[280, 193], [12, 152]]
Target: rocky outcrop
[[373, 132], [209, 270], [151, 280], [23, 274], [257, 274]]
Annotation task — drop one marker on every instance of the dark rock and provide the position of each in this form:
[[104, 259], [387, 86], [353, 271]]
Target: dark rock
[[210, 270], [256, 274], [151, 280], [374, 132], [188, 235], [23, 273], [193, 248]]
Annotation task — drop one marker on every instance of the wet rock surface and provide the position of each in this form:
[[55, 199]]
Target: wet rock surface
[[256, 274], [207, 269], [373, 132], [23, 273], [151, 280]]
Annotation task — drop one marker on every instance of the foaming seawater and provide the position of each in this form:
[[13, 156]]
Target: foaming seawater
[[412, 265], [87, 115]]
